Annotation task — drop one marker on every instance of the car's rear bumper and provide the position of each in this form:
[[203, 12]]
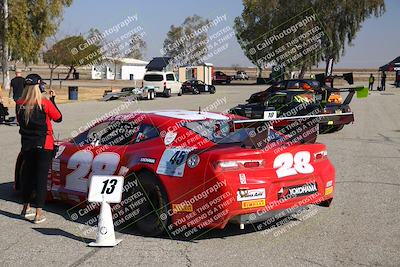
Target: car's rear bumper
[[343, 119], [227, 207]]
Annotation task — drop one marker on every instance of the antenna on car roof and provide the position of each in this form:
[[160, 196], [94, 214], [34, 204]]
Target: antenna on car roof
[[199, 110]]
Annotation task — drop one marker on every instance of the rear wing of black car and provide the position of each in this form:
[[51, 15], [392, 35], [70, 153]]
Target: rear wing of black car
[[323, 79], [283, 121], [297, 129], [361, 91]]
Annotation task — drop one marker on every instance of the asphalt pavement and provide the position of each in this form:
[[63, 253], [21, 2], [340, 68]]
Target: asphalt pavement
[[361, 228]]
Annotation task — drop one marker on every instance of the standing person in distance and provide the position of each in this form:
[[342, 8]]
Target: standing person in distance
[[383, 81], [17, 86], [35, 113], [371, 81]]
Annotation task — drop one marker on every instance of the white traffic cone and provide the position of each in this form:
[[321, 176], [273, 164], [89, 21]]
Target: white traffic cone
[[105, 236]]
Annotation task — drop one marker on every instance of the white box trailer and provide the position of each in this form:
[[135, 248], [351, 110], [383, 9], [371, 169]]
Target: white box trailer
[[121, 69], [201, 72]]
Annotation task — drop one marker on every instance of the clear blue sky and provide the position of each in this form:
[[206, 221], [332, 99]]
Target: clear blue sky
[[377, 43]]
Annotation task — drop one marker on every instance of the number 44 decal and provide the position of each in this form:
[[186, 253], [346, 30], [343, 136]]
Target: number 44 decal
[[288, 165]]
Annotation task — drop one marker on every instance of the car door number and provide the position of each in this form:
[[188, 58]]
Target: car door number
[[83, 161], [173, 161], [288, 165], [269, 114]]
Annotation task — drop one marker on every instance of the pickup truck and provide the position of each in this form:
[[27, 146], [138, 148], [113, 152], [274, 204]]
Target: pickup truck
[[220, 77], [241, 75]]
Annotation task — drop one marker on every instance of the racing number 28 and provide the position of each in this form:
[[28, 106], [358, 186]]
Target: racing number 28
[[288, 165], [83, 163]]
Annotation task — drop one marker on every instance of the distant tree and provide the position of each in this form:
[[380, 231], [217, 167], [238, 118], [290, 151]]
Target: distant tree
[[53, 57], [187, 43], [26, 28], [73, 51], [95, 37], [341, 20], [137, 47]]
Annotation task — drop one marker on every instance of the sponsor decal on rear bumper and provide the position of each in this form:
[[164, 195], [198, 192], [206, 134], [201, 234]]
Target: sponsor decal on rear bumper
[[250, 194], [253, 204], [298, 191]]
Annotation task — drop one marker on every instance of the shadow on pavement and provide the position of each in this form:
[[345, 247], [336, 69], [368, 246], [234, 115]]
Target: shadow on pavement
[[62, 209], [228, 231], [11, 215], [60, 232]]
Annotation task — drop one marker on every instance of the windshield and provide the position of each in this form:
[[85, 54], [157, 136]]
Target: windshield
[[220, 132]]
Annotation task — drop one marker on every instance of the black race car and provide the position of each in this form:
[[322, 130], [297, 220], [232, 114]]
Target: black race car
[[197, 87], [300, 84], [300, 98]]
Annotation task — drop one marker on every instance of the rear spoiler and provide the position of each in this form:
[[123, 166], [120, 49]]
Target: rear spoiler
[[283, 121], [362, 92], [259, 139], [322, 78]]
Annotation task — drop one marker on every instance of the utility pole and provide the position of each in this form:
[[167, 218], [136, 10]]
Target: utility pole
[[4, 64]]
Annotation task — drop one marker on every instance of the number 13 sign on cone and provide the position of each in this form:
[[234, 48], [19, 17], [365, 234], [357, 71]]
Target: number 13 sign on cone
[[105, 189]]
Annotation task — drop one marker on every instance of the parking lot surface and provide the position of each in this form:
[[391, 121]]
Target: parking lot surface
[[361, 228]]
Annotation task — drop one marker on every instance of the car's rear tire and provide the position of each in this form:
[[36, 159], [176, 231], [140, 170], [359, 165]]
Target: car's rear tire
[[327, 129], [153, 218], [325, 203], [168, 93]]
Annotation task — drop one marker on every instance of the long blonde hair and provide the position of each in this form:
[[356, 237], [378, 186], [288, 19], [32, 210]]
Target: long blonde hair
[[31, 97]]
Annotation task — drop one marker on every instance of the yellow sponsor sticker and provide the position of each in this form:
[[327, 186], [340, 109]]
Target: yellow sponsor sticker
[[330, 122], [328, 190], [253, 204], [182, 207]]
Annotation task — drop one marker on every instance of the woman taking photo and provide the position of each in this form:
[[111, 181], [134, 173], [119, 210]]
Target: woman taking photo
[[34, 114]]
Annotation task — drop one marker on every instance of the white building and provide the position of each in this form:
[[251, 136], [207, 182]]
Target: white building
[[122, 68]]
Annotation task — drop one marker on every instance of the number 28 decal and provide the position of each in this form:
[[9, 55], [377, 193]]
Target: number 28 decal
[[287, 164], [82, 162]]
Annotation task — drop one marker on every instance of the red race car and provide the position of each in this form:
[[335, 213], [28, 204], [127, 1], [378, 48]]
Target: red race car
[[188, 170]]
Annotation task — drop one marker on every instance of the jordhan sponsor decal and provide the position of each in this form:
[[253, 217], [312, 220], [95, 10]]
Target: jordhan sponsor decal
[[148, 160], [297, 191], [250, 194]]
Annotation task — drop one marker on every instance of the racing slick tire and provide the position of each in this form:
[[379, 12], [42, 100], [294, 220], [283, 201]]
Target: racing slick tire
[[153, 217], [325, 203]]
